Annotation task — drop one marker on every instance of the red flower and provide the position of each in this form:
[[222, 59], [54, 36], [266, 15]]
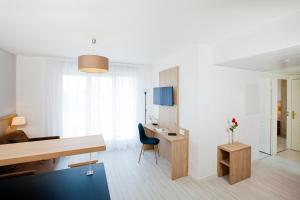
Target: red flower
[[236, 123], [233, 120]]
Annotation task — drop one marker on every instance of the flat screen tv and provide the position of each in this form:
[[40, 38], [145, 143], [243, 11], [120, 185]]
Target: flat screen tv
[[163, 96]]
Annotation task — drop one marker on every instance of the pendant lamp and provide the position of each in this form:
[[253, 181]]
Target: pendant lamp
[[93, 63]]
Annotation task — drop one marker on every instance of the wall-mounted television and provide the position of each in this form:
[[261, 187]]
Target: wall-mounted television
[[163, 96]]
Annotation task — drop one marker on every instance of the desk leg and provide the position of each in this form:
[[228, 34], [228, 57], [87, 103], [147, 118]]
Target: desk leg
[[90, 171], [179, 158], [155, 151]]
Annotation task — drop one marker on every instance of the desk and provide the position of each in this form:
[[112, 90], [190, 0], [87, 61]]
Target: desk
[[49, 149], [173, 148], [59, 185]]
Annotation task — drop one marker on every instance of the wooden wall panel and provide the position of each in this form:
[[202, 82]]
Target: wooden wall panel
[[5, 121], [169, 115]]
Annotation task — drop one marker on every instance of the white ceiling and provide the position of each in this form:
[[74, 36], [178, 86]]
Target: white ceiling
[[285, 61], [137, 31]]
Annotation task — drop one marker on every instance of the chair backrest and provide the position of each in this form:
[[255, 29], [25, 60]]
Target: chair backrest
[[142, 132]]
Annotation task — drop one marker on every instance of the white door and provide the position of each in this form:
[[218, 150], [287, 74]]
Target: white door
[[296, 115], [266, 116]]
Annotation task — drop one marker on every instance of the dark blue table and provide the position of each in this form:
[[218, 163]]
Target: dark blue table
[[67, 184]]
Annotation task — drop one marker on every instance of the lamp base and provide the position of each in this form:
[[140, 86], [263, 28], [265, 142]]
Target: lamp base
[[10, 129], [89, 172]]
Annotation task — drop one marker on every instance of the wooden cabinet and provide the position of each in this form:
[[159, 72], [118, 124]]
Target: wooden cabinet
[[234, 160]]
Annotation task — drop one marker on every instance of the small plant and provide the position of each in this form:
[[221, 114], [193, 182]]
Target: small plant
[[234, 125]]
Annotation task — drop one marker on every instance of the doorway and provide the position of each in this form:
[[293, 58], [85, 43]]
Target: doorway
[[281, 115]]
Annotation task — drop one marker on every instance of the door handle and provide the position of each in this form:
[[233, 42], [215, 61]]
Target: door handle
[[293, 114]]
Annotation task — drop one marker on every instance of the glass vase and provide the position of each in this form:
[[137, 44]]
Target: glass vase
[[231, 138]]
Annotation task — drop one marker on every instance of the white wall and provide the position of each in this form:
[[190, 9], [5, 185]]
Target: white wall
[[279, 34], [209, 96], [7, 83], [31, 92], [187, 59], [279, 90]]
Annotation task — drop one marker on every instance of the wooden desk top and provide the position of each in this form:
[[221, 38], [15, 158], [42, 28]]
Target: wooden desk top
[[49, 149], [235, 147], [178, 137]]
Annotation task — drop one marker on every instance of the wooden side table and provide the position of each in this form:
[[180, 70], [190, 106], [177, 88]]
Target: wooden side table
[[234, 160]]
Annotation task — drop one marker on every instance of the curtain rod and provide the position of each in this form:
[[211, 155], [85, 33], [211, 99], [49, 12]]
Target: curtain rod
[[126, 63]]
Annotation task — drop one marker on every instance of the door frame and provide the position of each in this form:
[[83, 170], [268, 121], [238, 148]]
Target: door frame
[[274, 112]]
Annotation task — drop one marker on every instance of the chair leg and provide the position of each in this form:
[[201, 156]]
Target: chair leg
[[141, 153], [155, 149]]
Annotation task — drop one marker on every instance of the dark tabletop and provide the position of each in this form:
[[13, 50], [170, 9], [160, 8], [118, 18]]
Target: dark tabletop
[[67, 184]]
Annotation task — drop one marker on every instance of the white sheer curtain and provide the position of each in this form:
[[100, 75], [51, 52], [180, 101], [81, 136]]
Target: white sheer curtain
[[81, 104]]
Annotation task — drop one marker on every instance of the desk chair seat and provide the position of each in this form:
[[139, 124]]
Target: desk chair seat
[[147, 140], [151, 141]]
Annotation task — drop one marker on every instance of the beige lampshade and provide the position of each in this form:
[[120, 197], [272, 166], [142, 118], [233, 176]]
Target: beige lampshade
[[93, 64], [18, 121]]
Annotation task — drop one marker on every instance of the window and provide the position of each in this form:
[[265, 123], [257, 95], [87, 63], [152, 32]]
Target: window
[[99, 105], [80, 104]]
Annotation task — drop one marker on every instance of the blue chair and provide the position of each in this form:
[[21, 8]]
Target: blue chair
[[147, 140]]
